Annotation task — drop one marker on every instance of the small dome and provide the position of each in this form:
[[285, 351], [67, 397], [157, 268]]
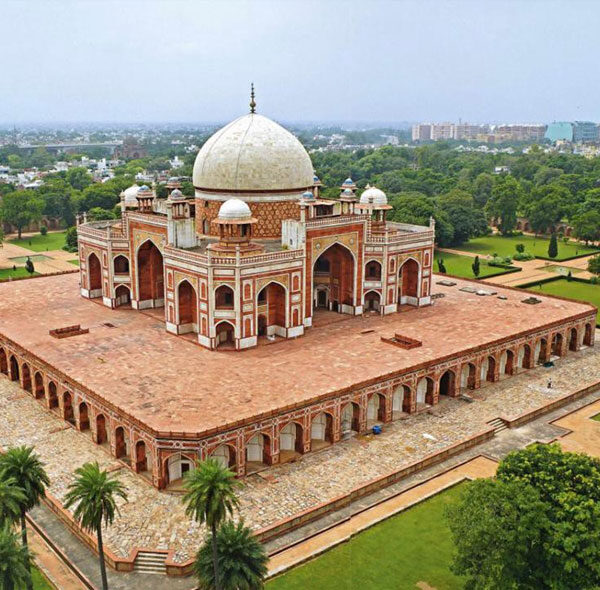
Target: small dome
[[143, 188], [308, 195], [173, 179], [316, 178], [176, 195], [373, 196], [234, 210], [129, 194], [348, 192], [348, 181]]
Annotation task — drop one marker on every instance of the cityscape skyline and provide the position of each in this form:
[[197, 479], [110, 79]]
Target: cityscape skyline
[[311, 62]]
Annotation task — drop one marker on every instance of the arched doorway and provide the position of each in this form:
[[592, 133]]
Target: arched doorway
[[557, 342], [258, 452], [375, 409], [39, 386], [408, 282], [84, 418], [224, 455], [14, 369], [291, 442], [334, 271], [350, 419], [122, 296], [52, 395], [321, 431], [151, 282], [373, 271], [26, 377], [187, 307], [68, 413], [271, 302], [121, 447], [448, 383], [488, 369], [524, 357], [262, 325], [101, 432], [425, 387], [224, 297], [141, 457], [401, 402], [3, 362], [94, 276], [573, 340], [506, 362], [372, 301], [121, 265], [541, 351], [225, 335], [177, 466], [468, 373], [587, 335]]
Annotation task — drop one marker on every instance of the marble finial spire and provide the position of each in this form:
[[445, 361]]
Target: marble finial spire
[[252, 101]]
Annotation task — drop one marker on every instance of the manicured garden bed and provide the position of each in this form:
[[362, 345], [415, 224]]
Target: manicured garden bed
[[40, 243], [506, 246], [460, 266], [413, 546], [578, 290], [20, 272]]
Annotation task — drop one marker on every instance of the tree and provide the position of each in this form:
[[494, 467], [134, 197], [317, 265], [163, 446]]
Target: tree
[[29, 266], [20, 208], [24, 466], [94, 494], [11, 497], [71, 239], [441, 266], [504, 202], [14, 560], [594, 265], [553, 246], [475, 267], [520, 248], [587, 226], [242, 560], [210, 498], [98, 214], [482, 188], [79, 178]]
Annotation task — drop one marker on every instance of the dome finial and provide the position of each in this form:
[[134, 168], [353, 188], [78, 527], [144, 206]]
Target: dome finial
[[252, 101]]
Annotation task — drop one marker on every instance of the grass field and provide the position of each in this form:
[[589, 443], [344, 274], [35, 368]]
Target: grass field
[[9, 273], [39, 581], [414, 546], [573, 290], [40, 243], [489, 245], [461, 266], [75, 261]]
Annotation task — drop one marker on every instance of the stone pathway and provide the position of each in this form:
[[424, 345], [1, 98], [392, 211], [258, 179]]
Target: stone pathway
[[156, 519]]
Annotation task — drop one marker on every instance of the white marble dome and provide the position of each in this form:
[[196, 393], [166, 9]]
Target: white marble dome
[[176, 195], [234, 210], [130, 194], [373, 196], [252, 154]]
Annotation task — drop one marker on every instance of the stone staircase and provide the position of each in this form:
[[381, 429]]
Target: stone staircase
[[150, 562], [498, 425]]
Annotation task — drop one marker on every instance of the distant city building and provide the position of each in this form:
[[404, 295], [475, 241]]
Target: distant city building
[[559, 131], [519, 132], [478, 132], [130, 150], [421, 132], [469, 131], [585, 132]]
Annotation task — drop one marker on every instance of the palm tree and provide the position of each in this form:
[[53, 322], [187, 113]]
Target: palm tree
[[22, 464], [14, 560], [11, 498], [242, 560], [210, 498], [95, 492]]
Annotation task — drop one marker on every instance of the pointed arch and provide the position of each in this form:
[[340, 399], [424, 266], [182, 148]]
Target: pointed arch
[[94, 269], [372, 301], [121, 265], [150, 275], [350, 419], [187, 307], [272, 299], [335, 269], [3, 362], [122, 296], [225, 335], [408, 281], [26, 377]]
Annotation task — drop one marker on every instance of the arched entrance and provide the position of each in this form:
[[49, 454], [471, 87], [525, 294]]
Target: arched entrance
[[122, 296], [291, 442], [26, 377], [52, 395], [375, 409], [258, 453], [408, 282], [321, 431], [39, 386], [141, 458], [121, 447], [84, 419], [271, 305], [541, 351], [425, 387], [573, 340], [448, 383], [3, 362], [506, 362], [224, 297], [524, 357], [68, 413], [401, 402], [225, 335], [488, 369], [187, 308], [587, 335], [557, 343], [350, 419], [14, 369], [333, 271], [177, 466], [468, 373], [121, 265], [151, 287], [224, 455], [373, 271], [94, 276], [372, 301], [101, 432]]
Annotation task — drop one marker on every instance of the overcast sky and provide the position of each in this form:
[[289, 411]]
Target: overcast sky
[[364, 60]]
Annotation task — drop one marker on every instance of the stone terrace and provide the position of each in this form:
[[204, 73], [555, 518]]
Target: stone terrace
[[172, 385], [156, 519]]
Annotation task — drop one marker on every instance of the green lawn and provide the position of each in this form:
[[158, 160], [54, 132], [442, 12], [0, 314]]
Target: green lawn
[[6, 273], [40, 243], [489, 245], [414, 546], [573, 290], [461, 266], [39, 581], [75, 262]]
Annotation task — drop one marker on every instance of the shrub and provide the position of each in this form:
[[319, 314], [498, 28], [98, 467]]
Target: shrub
[[501, 261], [43, 230], [520, 248], [523, 256]]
